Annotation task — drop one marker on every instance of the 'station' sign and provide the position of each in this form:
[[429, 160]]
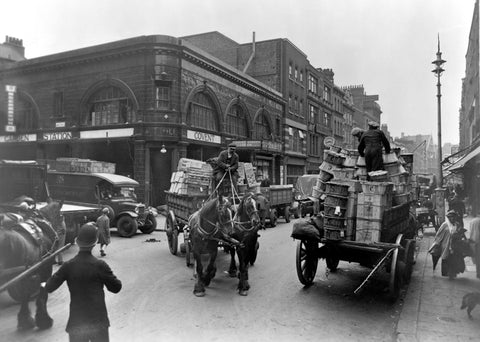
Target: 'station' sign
[[57, 136], [205, 137]]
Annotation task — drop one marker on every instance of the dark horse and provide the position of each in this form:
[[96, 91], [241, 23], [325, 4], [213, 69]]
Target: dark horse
[[246, 225], [209, 226], [22, 244]]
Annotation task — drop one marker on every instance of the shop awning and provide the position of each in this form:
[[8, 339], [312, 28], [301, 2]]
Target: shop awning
[[459, 164]]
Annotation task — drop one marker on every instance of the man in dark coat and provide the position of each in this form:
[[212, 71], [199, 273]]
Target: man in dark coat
[[227, 164], [370, 147], [86, 276]]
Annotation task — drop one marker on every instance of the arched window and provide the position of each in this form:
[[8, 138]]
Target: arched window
[[202, 113], [25, 118], [236, 121], [262, 130], [109, 106], [296, 142]]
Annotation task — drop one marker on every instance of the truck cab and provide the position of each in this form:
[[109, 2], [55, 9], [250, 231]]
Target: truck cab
[[115, 192]]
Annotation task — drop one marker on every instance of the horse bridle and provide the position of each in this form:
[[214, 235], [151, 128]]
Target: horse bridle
[[209, 235], [249, 214]]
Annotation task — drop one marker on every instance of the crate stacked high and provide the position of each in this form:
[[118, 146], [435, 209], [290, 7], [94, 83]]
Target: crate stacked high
[[192, 177], [361, 210], [81, 165]]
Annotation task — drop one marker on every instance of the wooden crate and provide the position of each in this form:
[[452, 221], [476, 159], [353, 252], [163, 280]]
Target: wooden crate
[[368, 230], [379, 200], [370, 211]]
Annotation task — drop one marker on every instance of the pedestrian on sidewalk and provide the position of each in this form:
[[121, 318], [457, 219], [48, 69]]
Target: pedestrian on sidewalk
[[86, 276], [475, 242], [103, 224], [448, 246]]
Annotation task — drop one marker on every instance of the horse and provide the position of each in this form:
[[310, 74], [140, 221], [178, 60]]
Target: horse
[[208, 227], [246, 224], [25, 240]]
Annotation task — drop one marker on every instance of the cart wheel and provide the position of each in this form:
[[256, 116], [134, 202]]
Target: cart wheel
[[253, 257], [273, 217], [409, 258], [307, 261], [150, 224], [332, 263], [188, 252], [286, 213], [394, 284], [172, 232]]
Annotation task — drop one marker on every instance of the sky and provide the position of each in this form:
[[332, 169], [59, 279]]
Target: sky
[[385, 45]]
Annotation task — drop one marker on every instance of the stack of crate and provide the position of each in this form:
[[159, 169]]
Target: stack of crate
[[335, 208], [82, 165], [192, 177], [371, 205]]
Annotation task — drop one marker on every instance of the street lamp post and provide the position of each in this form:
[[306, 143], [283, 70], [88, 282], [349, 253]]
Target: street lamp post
[[438, 72], [440, 191]]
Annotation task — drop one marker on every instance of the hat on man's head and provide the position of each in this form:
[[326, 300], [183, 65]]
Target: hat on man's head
[[232, 145], [373, 124], [452, 213], [357, 131], [87, 235], [105, 210]]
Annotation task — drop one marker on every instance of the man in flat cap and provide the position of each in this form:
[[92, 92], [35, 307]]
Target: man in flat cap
[[357, 132], [370, 147], [227, 164]]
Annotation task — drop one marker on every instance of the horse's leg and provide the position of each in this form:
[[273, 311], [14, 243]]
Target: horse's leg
[[243, 285], [232, 270], [42, 318], [211, 268], [199, 289], [24, 318]]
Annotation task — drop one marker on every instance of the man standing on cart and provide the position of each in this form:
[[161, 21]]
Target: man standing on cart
[[370, 147], [226, 168]]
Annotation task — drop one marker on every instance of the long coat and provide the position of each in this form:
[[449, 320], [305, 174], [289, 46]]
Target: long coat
[[86, 276], [103, 224], [370, 147]]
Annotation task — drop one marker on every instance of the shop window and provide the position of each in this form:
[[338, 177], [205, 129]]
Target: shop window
[[236, 121], [202, 113], [262, 130], [110, 106], [162, 97], [58, 104]]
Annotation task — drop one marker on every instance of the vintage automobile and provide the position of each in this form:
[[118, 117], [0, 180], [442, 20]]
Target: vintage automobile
[[305, 204], [113, 191]]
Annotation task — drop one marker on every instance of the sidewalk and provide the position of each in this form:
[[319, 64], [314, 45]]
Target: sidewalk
[[431, 308]]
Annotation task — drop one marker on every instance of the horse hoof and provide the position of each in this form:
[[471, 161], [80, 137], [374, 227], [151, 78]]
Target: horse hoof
[[232, 274], [243, 292], [44, 323], [28, 324], [199, 294]]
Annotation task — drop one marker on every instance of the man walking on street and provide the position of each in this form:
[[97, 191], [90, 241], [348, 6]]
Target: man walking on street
[[86, 276], [103, 224]]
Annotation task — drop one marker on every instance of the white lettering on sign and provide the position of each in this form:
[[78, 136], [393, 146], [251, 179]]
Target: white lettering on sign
[[10, 89], [18, 138], [57, 136], [202, 136]]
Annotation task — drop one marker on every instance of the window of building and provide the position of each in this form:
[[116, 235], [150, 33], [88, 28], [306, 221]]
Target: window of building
[[262, 130], [313, 141], [295, 104], [293, 172], [301, 75], [326, 120], [110, 105], [300, 108], [290, 102], [58, 104], [312, 84], [162, 97], [313, 114], [236, 121], [296, 145], [290, 71], [326, 93], [202, 113], [296, 73]]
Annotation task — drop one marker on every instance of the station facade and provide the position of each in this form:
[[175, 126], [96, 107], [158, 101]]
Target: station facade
[[141, 103]]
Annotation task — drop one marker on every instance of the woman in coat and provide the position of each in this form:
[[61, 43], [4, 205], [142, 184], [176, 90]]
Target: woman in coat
[[448, 246]]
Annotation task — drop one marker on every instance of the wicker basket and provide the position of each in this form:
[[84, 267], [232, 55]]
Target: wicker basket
[[361, 161], [378, 176], [337, 189], [390, 158], [335, 201], [399, 178], [344, 173], [330, 211], [325, 176], [335, 149], [332, 233], [377, 188], [334, 158]]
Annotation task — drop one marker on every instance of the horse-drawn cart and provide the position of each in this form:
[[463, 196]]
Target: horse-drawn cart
[[385, 242], [180, 207]]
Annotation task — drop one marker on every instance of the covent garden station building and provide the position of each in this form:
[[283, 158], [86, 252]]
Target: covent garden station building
[[141, 103]]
